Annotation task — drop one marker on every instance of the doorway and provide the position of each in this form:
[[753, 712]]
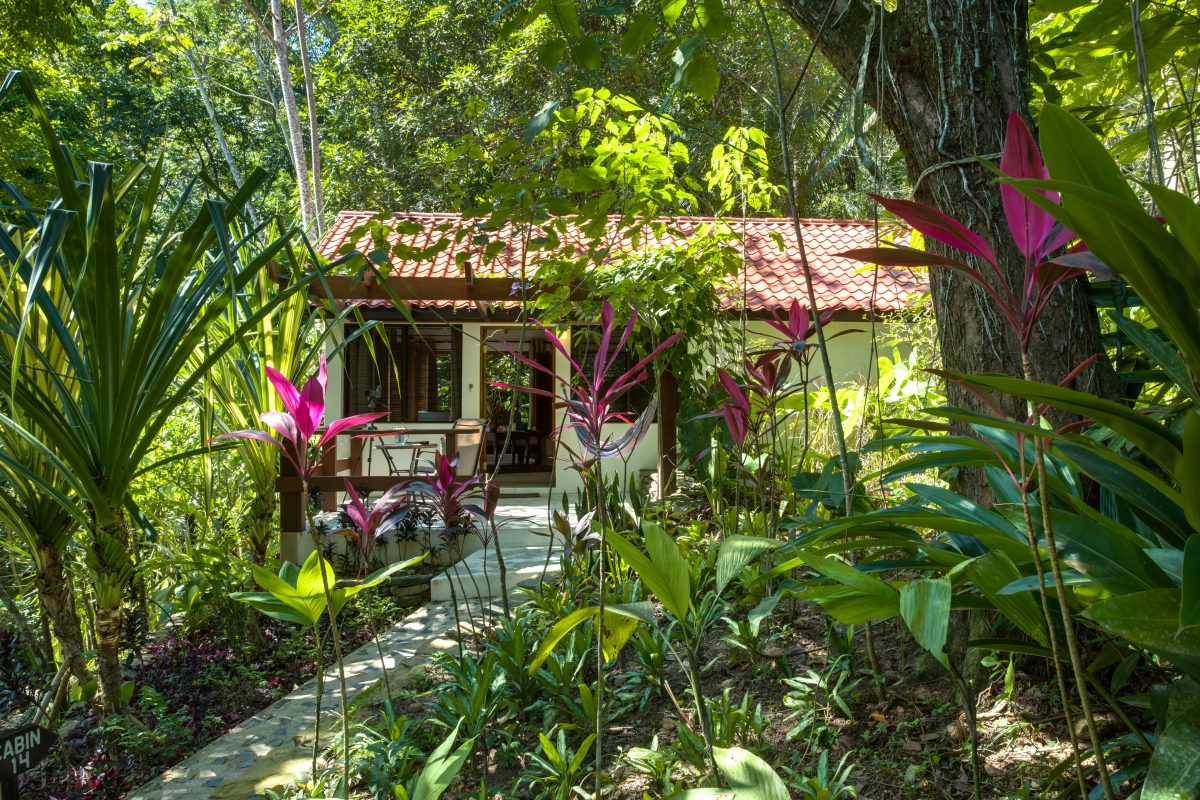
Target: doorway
[[520, 424]]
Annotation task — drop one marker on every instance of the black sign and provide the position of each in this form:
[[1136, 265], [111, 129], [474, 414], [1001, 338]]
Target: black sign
[[22, 749]]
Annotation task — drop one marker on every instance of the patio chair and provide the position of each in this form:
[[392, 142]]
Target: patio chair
[[470, 435]]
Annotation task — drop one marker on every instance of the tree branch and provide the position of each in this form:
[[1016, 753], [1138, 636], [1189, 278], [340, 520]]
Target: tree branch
[[258, 20], [841, 35]]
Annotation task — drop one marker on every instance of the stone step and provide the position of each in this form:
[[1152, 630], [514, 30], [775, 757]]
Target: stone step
[[478, 575]]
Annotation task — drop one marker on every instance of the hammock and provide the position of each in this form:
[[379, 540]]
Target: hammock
[[623, 445]]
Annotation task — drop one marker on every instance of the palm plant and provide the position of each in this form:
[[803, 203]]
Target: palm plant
[[238, 389], [127, 300]]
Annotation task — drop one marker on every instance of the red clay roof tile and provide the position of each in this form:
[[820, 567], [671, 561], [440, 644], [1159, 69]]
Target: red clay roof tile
[[771, 279]]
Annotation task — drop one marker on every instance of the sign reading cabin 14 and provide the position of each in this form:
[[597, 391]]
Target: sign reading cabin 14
[[22, 748]]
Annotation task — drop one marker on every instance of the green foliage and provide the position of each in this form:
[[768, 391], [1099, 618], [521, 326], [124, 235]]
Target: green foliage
[[748, 776], [297, 594]]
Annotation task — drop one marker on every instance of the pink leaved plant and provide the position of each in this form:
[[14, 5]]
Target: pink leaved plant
[[444, 492], [1034, 230], [796, 331], [298, 425], [371, 522], [590, 399]]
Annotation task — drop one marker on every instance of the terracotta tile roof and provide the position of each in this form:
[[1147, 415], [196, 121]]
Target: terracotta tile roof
[[771, 279]]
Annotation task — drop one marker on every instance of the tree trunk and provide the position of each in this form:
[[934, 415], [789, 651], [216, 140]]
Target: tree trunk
[[64, 621], [108, 658], [202, 90], [261, 523], [287, 92], [949, 75], [314, 135], [112, 567]]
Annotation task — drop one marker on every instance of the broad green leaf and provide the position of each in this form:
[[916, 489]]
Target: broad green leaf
[[1154, 439], [617, 630], [1190, 480], [620, 621], [442, 767], [850, 606], [990, 574], [735, 553], [550, 53], [665, 571], [748, 776], [925, 608], [671, 10], [560, 630], [272, 606], [712, 18], [1151, 620], [539, 121], [702, 75], [1160, 352], [1111, 555], [587, 53], [1189, 611], [854, 578], [641, 30], [1175, 768]]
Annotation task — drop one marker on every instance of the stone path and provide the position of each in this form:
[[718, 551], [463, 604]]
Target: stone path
[[274, 747]]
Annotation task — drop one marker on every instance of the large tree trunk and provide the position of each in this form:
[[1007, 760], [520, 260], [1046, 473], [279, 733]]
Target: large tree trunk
[[314, 134], [950, 75], [64, 621]]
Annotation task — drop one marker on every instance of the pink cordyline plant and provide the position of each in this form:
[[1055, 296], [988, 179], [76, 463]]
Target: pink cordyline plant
[[590, 399], [445, 493], [736, 410], [298, 423], [371, 523], [1036, 233], [797, 329], [297, 426], [768, 372]]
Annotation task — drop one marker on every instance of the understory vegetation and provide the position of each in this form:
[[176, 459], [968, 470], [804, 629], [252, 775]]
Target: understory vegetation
[[969, 568]]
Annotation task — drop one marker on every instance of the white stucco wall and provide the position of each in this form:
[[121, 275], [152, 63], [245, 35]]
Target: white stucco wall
[[850, 354]]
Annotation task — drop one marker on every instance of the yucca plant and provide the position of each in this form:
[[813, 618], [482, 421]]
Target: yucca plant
[[35, 500], [128, 292]]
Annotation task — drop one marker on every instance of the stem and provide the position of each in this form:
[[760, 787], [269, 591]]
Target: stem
[[810, 292], [601, 508], [1052, 633], [320, 696], [1061, 592], [337, 637], [503, 572]]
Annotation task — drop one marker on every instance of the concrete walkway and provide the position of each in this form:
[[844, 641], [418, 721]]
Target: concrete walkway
[[274, 747]]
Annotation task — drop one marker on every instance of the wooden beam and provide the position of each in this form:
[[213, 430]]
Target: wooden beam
[[424, 289]]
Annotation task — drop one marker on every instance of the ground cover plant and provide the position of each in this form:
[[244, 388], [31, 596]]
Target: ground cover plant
[[972, 571]]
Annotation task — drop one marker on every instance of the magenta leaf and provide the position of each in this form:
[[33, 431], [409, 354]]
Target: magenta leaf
[[933, 224], [1030, 225], [312, 401], [339, 426], [285, 389]]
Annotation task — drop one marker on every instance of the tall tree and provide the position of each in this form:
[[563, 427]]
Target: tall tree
[[277, 35], [945, 76]]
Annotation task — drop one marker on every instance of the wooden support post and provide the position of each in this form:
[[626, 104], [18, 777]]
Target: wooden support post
[[668, 415], [291, 515]]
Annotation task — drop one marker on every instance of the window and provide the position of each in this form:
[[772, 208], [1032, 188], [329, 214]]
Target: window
[[585, 342], [414, 373]]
